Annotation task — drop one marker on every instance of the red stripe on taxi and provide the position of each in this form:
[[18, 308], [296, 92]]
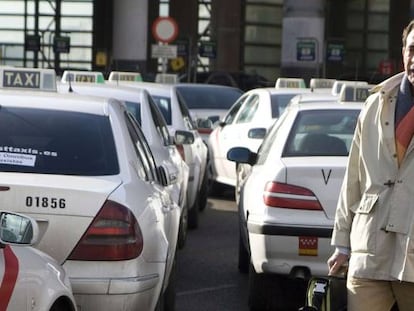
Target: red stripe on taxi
[[10, 277]]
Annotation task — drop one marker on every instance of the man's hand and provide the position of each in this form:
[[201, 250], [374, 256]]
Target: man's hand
[[337, 263]]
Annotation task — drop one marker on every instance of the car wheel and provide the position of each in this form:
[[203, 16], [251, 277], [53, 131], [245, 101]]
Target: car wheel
[[193, 216], [183, 229], [166, 302], [203, 194], [170, 292], [62, 304], [264, 291], [244, 258], [275, 291]]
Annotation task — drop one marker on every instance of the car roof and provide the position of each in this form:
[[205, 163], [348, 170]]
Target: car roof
[[206, 86], [160, 88], [326, 105], [105, 88], [56, 101], [273, 90]]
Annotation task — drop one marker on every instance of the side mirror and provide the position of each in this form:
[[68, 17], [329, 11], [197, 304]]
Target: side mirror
[[257, 133], [241, 155], [18, 229], [183, 137]]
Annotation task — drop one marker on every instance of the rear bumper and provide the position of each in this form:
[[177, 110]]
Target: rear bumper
[[114, 286], [283, 230], [119, 285], [280, 249]]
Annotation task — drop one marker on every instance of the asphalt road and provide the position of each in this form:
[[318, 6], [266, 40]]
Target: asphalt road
[[207, 274]]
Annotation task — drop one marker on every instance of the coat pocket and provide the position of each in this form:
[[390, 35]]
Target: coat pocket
[[367, 203], [363, 232]]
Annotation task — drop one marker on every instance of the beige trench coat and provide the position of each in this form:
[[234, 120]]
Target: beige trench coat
[[375, 213]]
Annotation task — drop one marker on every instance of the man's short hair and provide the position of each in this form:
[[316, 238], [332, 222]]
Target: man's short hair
[[406, 31]]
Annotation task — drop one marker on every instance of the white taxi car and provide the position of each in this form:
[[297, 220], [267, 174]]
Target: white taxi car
[[31, 280], [245, 124], [178, 118], [154, 127], [81, 167], [288, 201]]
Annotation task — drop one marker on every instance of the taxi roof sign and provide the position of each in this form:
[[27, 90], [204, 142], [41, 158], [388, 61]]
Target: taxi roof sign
[[318, 83], [82, 76], [337, 86], [298, 83], [170, 78], [124, 76], [354, 93], [28, 79]]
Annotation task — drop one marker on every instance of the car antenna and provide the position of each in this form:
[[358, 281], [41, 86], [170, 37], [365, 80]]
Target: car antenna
[[70, 83]]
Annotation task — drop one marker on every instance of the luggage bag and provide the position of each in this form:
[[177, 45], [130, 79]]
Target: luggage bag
[[326, 294]]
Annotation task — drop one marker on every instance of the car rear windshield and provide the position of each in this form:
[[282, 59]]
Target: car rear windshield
[[322, 133], [209, 97], [56, 142]]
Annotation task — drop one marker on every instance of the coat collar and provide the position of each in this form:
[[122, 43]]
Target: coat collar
[[389, 84]]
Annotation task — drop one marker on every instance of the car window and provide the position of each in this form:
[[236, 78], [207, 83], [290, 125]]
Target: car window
[[321, 133], [279, 103], [142, 148], [135, 109], [56, 142], [231, 114], [188, 121], [159, 121], [248, 110], [267, 143], [164, 104], [209, 97]]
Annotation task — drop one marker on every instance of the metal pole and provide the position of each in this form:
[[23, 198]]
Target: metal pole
[[36, 32], [57, 33]]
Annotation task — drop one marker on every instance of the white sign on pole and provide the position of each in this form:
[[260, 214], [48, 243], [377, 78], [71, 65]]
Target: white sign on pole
[[163, 51]]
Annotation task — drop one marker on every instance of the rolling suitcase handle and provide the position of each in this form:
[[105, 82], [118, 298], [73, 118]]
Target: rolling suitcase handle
[[325, 294]]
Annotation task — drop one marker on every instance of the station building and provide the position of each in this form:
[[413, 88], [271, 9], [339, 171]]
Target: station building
[[341, 39]]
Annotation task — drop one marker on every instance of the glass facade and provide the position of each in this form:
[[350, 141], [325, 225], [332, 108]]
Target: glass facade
[[367, 35], [19, 20], [262, 37]]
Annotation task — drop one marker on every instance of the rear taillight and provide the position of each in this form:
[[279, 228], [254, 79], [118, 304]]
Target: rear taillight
[[180, 149], [204, 130], [113, 235], [290, 196]]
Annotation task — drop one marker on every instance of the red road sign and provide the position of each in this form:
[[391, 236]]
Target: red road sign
[[165, 29]]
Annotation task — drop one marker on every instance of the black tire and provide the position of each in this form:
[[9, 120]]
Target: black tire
[[265, 292], [62, 304], [203, 193], [215, 189], [183, 229], [193, 216], [244, 257], [268, 292], [170, 292], [166, 302]]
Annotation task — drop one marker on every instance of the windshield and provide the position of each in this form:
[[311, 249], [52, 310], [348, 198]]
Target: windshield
[[209, 97]]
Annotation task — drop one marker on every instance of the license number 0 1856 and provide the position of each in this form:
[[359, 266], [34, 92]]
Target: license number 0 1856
[[45, 202]]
